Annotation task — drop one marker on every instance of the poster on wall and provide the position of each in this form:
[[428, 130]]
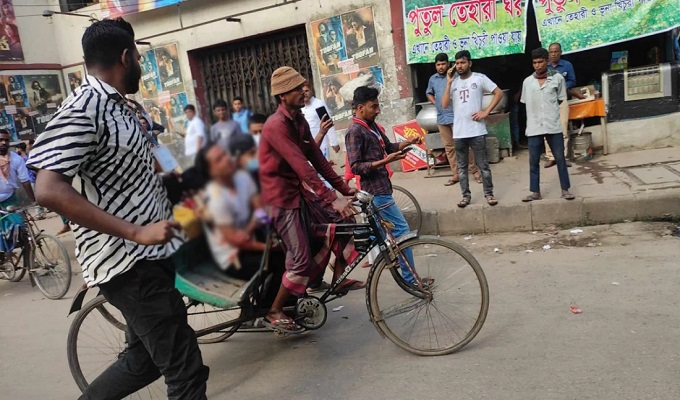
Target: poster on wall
[[10, 42], [345, 43], [338, 90], [578, 26], [169, 74], [73, 77], [7, 123], [16, 91], [119, 8], [150, 79], [23, 123], [44, 92], [486, 28], [177, 103], [416, 158]]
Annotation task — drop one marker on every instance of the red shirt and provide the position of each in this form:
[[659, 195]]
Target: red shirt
[[286, 149]]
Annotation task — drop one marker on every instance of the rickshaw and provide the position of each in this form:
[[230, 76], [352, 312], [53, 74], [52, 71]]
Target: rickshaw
[[437, 313]]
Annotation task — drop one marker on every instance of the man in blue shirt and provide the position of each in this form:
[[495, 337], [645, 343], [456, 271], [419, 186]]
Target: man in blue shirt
[[565, 68], [240, 113], [435, 91]]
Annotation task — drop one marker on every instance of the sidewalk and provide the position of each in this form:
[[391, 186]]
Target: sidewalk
[[640, 185]]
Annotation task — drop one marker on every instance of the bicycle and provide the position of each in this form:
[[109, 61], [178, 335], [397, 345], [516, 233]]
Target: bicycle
[[44, 258], [409, 207], [395, 304]]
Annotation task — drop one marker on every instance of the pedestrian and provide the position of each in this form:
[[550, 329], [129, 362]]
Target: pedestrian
[[194, 139], [469, 129], [222, 130], [566, 69], [288, 157], [255, 125], [369, 151], [543, 92], [435, 92], [240, 113], [323, 131], [121, 218]]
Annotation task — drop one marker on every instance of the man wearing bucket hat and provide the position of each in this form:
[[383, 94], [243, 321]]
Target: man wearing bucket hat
[[289, 157]]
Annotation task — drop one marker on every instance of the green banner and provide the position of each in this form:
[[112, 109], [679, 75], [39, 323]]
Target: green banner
[[484, 27], [579, 25]]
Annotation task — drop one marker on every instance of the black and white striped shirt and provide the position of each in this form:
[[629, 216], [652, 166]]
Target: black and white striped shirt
[[97, 138]]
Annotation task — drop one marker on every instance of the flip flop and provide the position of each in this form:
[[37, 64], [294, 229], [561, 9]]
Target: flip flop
[[491, 201], [568, 196], [347, 285], [531, 197], [464, 203], [286, 325], [478, 178], [450, 182]]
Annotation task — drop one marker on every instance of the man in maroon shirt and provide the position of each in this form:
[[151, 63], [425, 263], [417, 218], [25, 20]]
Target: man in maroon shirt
[[288, 157]]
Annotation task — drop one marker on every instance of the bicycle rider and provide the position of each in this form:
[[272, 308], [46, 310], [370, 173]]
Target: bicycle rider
[[288, 157], [12, 170]]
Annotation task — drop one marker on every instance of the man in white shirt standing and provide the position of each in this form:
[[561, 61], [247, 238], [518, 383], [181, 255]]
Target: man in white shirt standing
[[469, 130], [194, 139], [543, 93], [323, 131]]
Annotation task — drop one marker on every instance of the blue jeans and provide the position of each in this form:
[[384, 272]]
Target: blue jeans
[[391, 212], [514, 122], [556, 143]]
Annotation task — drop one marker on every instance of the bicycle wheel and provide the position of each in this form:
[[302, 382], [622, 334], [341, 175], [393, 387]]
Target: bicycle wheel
[[51, 266], [442, 314], [201, 316], [409, 206], [19, 270], [95, 340]]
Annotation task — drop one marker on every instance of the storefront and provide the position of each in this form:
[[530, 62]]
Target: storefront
[[617, 48]]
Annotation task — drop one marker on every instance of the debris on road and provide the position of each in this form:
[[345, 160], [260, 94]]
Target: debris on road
[[575, 310], [615, 283], [467, 238], [528, 251], [576, 231], [497, 251], [547, 247], [338, 308]]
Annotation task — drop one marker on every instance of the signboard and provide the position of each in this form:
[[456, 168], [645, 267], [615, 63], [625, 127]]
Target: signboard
[[119, 8], [484, 27], [10, 42], [584, 25], [415, 159], [347, 56]]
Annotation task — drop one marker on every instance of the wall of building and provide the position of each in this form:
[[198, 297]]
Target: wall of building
[[398, 103]]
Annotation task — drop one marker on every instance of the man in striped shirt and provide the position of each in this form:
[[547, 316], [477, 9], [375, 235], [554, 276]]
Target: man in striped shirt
[[121, 217]]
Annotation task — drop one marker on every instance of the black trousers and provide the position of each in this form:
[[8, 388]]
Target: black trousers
[[160, 341]]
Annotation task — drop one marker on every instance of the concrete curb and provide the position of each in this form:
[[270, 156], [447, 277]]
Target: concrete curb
[[481, 218]]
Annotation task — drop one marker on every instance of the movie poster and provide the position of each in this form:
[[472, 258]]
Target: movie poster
[[359, 31], [75, 79], [338, 90], [119, 8], [43, 92], [16, 91], [150, 79], [156, 112], [10, 43], [7, 123], [177, 119], [4, 98], [329, 44], [169, 74], [23, 123]]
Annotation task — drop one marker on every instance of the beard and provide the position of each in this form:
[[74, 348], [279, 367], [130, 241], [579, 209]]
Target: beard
[[132, 76]]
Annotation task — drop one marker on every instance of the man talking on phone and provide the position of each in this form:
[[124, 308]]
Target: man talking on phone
[[369, 152], [320, 123]]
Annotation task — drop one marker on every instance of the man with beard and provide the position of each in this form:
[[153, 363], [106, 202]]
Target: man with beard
[[289, 157], [122, 220]]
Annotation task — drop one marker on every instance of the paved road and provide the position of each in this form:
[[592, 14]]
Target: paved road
[[623, 346]]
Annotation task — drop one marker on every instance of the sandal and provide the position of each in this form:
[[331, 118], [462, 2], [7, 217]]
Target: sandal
[[451, 182], [532, 197], [491, 200], [568, 196], [321, 288], [366, 265], [464, 203], [347, 285], [286, 325], [478, 178]]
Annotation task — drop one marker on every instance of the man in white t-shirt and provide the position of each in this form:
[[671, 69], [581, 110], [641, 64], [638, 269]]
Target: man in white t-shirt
[[322, 131], [469, 130], [194, 139]]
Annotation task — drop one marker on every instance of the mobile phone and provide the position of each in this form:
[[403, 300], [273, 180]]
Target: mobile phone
[[321, 112], [406, 150]]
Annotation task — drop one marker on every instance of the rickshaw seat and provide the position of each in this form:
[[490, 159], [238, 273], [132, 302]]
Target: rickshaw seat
[[198, 277]]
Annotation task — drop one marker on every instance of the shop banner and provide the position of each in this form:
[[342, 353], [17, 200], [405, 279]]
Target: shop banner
[[415, 159], [584, 25], [10, 42], [118, 8], [484, 27]]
